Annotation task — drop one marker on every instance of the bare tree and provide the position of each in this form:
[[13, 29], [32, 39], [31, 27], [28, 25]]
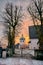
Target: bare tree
[[36, 12], [12, 20]]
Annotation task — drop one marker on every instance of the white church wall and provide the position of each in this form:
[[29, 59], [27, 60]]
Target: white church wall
[[33, 44]]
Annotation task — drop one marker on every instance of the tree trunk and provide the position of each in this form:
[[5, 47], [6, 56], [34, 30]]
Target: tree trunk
[[13, 45], [41, 36]]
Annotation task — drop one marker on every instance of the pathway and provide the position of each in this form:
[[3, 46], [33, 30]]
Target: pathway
[[19, 61]]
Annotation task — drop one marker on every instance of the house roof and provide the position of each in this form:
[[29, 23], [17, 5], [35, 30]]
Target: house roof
[[32, 32]]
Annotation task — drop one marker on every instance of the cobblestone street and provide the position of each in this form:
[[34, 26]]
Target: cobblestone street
[[19, 61]]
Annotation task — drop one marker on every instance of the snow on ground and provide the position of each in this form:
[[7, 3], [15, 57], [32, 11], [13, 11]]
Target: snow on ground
[[19, 61]]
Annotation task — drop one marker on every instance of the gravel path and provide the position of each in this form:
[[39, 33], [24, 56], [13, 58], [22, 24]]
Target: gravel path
[[19, 61]]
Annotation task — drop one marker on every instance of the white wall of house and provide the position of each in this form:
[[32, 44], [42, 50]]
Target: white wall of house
[[33, 44]]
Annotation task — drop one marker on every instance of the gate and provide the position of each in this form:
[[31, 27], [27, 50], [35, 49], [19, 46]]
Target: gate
[[25, 51]]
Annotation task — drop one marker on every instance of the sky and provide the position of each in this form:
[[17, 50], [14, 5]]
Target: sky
[[26, 21]]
